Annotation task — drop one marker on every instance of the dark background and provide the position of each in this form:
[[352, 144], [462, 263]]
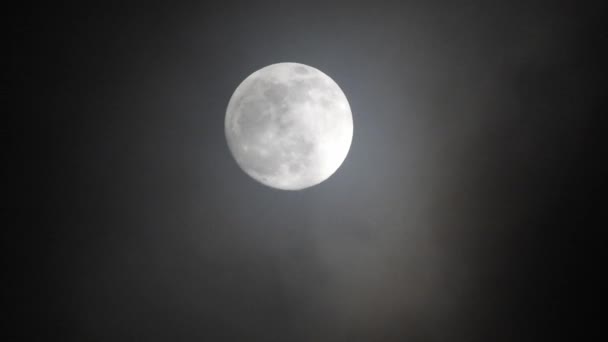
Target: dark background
[[458, 215]]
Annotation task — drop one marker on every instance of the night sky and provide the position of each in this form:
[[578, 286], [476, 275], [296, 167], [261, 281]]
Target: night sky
[[456, 216]]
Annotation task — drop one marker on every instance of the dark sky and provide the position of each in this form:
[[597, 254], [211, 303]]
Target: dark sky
[[455, 217]]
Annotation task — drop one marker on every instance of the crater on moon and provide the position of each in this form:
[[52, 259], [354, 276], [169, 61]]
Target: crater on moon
[[289, 126]]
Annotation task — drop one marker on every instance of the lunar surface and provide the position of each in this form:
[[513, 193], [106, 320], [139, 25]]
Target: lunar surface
[[289, 126]]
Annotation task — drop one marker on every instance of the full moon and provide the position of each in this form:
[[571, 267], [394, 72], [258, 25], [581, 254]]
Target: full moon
[[289, 126]]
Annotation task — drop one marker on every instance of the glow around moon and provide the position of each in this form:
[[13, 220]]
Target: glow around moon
[[289, 126]]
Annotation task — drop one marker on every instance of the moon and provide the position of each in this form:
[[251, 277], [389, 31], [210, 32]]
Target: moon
[[289, 126]]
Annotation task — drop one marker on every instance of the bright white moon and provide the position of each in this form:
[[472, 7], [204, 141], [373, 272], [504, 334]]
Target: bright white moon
[[289, 126]]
